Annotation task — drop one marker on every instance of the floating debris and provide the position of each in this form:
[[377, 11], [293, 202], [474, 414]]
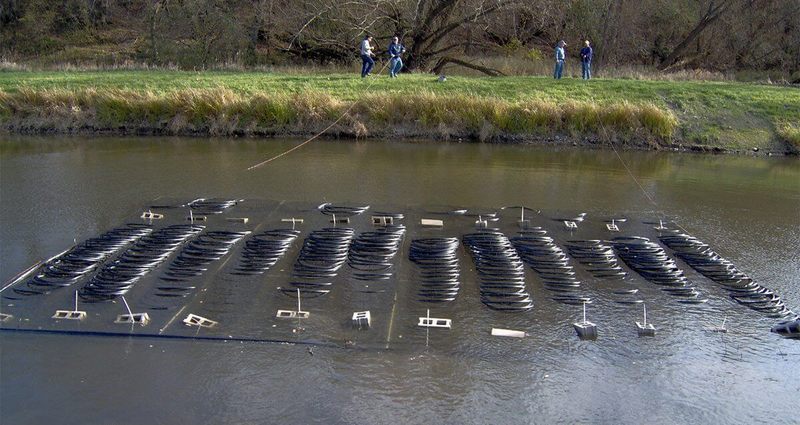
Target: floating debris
[[508, 333]]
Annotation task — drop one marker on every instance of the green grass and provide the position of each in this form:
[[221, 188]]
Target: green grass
[[726, 114]]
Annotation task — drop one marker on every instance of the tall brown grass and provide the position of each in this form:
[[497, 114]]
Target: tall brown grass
[[226, 112], [790, 133]]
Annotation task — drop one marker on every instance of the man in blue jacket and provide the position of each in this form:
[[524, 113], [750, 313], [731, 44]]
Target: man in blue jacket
[[561, 56], [396, 63], [586, 61]]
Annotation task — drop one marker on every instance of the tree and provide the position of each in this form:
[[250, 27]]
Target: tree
[[715, 10]]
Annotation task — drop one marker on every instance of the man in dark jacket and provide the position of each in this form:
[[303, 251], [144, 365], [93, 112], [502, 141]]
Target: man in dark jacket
[[561, 56], [586, 61], [396, 62]]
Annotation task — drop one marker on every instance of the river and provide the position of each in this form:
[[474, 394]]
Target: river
[[54, 191]]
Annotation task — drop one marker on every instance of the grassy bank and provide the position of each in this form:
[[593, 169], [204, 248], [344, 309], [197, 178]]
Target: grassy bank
[[732, 116]]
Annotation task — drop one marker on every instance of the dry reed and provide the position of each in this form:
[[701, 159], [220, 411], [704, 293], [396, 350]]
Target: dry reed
[[225, 112]]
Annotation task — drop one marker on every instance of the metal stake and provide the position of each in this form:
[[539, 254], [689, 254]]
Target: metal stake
[[127, 307], [298, 300], [645, 314], [427, 328], [584, 312]]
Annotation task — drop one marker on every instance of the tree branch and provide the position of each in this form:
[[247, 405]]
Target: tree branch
[[446, 59]]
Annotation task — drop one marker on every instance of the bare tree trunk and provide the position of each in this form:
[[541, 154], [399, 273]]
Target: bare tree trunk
[[604, 46], [155, 8], [446, 59], [714, 12]]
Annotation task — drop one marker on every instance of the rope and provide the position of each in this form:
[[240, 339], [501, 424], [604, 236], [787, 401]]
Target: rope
[[314, 137], [635, 180], [631, 175]]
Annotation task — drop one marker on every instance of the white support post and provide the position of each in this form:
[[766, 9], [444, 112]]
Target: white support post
[[584, 312], [644, 306], [645, 329], [127, 307], [428, 329], [585, 329]]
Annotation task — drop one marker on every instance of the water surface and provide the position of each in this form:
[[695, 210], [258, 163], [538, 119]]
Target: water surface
[[56, 190]]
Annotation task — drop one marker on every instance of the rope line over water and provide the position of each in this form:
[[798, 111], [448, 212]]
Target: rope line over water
[[314, 137], [632, 176], [635, 180], [647, 195]]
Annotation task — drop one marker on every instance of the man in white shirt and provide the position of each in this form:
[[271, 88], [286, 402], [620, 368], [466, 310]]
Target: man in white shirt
[[366, 56]]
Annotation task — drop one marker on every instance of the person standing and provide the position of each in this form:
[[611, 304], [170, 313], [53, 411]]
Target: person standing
[[586, 61], [366, 56], [396, 62], [561, 56]]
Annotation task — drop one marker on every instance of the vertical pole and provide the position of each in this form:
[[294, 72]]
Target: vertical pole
[[191, 216], [522, 214], [428, 328], [76, 301], [584, 312], [645, 314], [298, 309], [334, 219], [127, 307]]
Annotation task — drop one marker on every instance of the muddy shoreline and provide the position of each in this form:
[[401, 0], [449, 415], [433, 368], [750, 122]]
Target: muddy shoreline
[[341, 133]]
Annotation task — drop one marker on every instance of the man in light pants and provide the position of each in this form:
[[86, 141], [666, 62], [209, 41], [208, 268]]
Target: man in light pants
[[366, 56]]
